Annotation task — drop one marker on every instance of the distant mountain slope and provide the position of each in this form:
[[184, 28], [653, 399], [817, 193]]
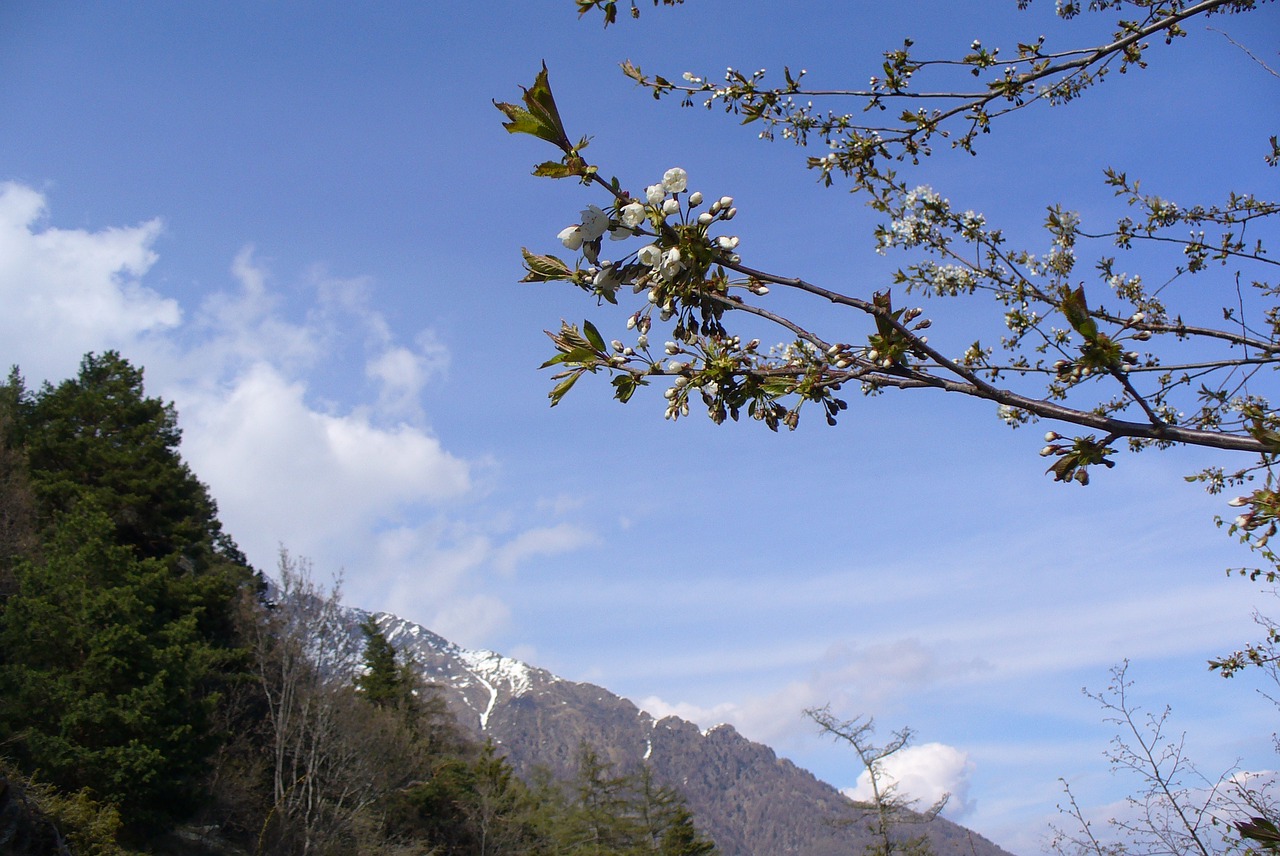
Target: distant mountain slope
[[750, 801]]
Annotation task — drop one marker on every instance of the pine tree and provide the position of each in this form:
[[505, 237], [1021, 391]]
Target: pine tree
[[105, 674], [383, 683], [116, 622]]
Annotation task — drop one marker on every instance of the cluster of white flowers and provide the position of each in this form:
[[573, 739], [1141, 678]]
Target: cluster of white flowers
[[1012, 416], [948, 280], [1060, 260], [921, 211], [1021, 319], [665, 263], [971, 222]]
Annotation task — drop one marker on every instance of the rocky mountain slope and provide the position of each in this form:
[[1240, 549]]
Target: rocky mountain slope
[[750, 801]]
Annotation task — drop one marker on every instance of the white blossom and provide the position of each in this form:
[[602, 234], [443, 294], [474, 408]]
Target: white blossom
[[571, 237], [594, 222], [632, 215], [655, 193], [650, 255], [671, 263], [675, 180]]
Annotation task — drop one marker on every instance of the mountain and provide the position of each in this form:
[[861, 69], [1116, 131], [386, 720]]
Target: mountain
[[749, 800]]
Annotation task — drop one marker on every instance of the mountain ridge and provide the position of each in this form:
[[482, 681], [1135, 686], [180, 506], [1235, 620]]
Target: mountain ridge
[[747, 798]]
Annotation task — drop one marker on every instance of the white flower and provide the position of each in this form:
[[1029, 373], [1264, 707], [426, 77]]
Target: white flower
[[609, 278], [594, 222], [727, 242], [670, 207], [632, 215], [655, 193], [675, 180], [571, 237], [650, 255], [671, 264]]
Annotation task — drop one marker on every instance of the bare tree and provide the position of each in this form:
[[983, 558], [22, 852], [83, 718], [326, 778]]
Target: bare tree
[[891, 812], [334, 755]]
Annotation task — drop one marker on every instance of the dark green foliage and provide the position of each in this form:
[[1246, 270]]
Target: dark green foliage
[[17, 502], [116, 593], [104, 668], [384, 683], [98, 435]]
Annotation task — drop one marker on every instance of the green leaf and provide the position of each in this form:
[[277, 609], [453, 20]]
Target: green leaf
[[1076, 311], [563, 387], [625, 386], [554, 169], [544, 268], [593, 335], [539, 117]]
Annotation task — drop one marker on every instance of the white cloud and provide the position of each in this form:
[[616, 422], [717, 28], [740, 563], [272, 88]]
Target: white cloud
[[285, 472], [926, 773], [845, 677], [547, 541], [362, 484], [69, 291]]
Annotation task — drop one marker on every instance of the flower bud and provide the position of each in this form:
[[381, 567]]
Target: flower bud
[[695, 199], [1239, 501], [1050, 436], [725, 202], [705, 219], [672, 348], [731, 213], [671, 206], [642, 341], [1047, 451]]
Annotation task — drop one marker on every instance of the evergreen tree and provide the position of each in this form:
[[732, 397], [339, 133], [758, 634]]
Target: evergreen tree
[[17, 503], [117, 587], [99, 435], [105, 678], [383, 683]]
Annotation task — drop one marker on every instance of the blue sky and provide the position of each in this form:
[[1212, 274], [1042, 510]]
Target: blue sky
[[305, 221]]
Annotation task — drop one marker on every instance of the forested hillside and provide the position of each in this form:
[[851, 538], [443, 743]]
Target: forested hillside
[[156, 695]]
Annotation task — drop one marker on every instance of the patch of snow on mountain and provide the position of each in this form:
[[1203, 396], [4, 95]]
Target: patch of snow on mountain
[[489, 666]]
